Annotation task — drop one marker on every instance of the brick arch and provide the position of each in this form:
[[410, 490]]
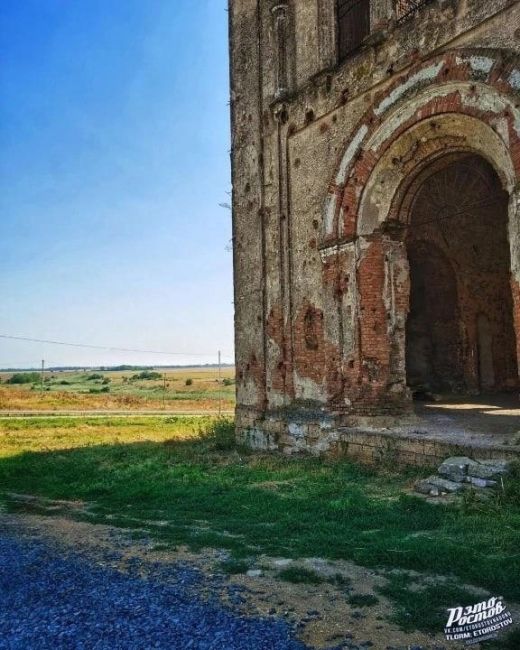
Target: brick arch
[[385, 189], [413, 154], [480, 84]]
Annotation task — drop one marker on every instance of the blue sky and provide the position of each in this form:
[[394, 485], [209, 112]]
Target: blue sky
[[114, 157]]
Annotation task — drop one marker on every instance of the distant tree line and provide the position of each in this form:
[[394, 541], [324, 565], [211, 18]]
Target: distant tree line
[[120, 368], [24, 378]]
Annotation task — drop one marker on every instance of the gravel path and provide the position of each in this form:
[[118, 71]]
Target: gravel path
[[52, 600]]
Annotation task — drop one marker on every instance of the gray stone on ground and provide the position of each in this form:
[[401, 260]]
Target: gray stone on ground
[[480, 482], [424, 487], [458, 472], [433, 485], [456, 468], [489, 469]]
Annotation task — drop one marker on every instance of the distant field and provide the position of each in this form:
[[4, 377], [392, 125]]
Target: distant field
[[183, 389]]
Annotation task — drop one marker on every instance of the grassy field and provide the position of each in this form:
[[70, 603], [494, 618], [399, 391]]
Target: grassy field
[[183, 481], [186, 389]]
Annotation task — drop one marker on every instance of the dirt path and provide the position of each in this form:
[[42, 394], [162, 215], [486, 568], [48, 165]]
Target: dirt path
[[318, 616], [103, 414]]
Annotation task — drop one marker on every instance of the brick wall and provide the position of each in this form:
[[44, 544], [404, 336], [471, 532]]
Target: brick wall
[[323, 173]]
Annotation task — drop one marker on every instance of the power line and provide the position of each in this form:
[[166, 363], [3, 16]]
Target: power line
[[105, 347]]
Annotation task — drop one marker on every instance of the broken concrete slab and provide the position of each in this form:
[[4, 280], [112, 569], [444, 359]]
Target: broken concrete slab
[[425, 487], [461, 472], [434, 485], [480, 482], [456, 468], [489, 469]]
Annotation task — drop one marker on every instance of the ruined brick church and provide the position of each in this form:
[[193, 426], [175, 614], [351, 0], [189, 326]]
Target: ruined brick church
[[376, 210]]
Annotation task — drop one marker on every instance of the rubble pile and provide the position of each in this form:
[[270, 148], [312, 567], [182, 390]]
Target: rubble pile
[[460, 472]]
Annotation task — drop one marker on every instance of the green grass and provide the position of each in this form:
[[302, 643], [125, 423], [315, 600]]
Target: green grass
[[362, 600], [113, 389], [424, 608], [234, 567], [134, 385], [299, 575], [341, 581], [139, 473]]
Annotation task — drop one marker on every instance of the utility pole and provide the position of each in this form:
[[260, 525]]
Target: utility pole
[[164, 394], [219, 385], [43, 370]]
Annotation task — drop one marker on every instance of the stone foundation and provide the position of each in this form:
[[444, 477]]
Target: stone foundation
[[324, 435]]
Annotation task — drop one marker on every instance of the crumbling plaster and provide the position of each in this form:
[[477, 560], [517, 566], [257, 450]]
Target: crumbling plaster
[[295, 248]]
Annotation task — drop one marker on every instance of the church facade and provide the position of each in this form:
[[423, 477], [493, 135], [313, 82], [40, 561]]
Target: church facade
[[376, 210]]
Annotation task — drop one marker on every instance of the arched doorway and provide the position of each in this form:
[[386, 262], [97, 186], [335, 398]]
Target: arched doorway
[[460, 334], [455, 127]]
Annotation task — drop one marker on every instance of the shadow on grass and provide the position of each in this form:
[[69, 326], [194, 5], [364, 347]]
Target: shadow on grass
[[205, 492]]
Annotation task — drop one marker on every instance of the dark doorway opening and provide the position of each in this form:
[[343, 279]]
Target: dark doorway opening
[[460, 334]]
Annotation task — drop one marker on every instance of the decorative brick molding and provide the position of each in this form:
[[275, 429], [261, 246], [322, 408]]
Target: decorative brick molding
[[480, 84]]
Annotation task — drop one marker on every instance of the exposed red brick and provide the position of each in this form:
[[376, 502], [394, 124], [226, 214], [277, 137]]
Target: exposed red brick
[[374, 341], [316, 358]]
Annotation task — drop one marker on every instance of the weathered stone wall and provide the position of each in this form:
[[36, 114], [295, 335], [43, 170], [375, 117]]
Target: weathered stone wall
[[248, 202], [324, 155]]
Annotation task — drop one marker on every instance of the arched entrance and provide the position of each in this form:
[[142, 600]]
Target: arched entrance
[[460, 334], [427, 306]]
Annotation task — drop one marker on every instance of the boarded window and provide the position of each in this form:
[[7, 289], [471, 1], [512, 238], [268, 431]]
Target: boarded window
[[353, 25]]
